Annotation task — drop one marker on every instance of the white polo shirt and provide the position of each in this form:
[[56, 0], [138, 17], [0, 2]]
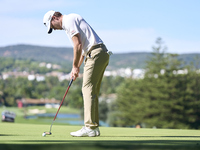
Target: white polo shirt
[[73, 24]]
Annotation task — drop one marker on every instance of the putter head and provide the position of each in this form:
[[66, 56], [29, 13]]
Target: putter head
[[48, 133]]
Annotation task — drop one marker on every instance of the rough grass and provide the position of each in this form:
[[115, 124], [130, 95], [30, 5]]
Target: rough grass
[[29, 136]]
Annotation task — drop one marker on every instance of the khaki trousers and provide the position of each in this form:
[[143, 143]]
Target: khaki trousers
[[95, 65]]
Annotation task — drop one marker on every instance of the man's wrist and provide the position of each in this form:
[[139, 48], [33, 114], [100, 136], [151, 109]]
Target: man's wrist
[[75, 67]]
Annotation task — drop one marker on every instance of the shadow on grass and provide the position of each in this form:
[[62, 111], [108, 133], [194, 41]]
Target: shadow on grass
[[110, 145], [157, 136], [7, 135]]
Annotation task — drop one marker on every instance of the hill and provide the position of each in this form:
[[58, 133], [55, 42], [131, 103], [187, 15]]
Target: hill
[[64, 55], [38, 53]]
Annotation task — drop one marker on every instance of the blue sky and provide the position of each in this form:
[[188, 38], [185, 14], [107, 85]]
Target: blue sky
[[123, 25]]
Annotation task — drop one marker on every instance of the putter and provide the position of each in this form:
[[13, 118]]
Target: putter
[[49, 133]]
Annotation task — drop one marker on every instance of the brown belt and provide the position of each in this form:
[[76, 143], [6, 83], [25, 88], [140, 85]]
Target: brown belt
[[95, 47]]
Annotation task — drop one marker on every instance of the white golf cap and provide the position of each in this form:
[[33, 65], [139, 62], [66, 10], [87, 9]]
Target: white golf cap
[[47, 20]]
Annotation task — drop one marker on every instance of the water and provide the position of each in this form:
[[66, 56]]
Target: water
[[71, 119], [76, 116]]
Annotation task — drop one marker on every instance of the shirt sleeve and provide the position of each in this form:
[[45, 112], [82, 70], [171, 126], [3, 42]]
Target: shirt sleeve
[[73, 27]]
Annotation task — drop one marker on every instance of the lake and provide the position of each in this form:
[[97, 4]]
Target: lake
[[71, 119]]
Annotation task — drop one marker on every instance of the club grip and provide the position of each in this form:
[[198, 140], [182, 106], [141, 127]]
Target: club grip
[[70, 83]]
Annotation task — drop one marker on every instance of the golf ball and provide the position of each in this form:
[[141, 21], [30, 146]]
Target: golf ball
[[43, 134]]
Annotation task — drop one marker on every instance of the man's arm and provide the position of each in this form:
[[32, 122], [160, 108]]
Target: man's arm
[[77, 56], [81, 61]]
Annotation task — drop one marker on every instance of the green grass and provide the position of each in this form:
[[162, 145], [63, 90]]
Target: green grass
[[29, 136], [26, 134]]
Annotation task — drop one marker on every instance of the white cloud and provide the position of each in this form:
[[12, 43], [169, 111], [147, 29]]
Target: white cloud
[[30, 31], [181, 46], [142, 40], [136, 39], [22, 22]]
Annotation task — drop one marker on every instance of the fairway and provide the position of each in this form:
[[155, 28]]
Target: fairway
[[29, 136]]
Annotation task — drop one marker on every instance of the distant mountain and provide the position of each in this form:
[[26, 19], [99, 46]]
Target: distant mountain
[[38, 53], [64, 55]]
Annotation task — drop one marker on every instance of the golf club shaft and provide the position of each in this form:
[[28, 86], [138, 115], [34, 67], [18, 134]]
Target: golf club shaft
[[63, 99], [61, 103]]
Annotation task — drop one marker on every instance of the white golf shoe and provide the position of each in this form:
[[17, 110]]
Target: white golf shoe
[[86, 132], [97, 131]]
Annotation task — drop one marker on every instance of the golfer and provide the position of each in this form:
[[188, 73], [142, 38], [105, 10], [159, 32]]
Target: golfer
[[86, 44]]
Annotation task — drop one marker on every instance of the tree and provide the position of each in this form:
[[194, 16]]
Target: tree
[[158, 59], [191, 92], [168, 96]]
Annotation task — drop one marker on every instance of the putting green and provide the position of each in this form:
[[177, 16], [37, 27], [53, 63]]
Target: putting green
[[29, 136]]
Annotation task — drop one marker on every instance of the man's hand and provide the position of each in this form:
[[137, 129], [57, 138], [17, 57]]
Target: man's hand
[[75, 72]]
